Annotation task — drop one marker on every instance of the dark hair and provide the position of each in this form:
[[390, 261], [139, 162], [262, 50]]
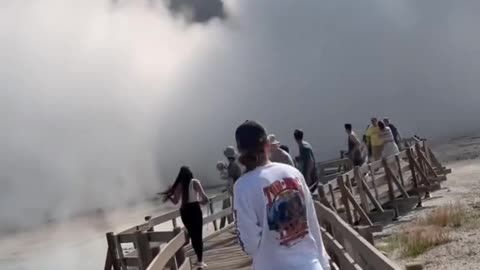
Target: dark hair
[[381, 125], [251, 137], [184, 178], [348, 127], [298, 134], [285, 148]]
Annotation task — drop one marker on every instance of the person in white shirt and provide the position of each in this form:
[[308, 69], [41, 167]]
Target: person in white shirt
[[277, 154], [275, 215]]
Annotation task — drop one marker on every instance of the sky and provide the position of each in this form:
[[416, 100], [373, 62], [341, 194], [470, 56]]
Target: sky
[[101, 102]]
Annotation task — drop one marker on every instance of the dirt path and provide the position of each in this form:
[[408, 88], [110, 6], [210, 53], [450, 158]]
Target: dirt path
[[462, 155]]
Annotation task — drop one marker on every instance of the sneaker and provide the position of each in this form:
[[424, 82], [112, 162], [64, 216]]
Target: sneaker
[[200, 265]]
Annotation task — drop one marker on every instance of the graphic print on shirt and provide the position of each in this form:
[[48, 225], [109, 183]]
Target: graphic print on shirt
[[286, 210]]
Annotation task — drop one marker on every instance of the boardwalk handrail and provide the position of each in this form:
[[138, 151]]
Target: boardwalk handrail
[[172, 215], [169, 251], [396, 182], [362, 191], [147, 241], [337, 233]]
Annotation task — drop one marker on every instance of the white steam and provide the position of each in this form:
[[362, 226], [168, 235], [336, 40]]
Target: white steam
[[100, 102]]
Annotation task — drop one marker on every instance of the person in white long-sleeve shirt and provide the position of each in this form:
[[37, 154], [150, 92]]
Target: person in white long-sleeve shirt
[[275, 215]]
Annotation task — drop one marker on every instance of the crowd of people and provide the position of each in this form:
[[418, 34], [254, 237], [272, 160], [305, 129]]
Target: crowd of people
[[381, 140], [272, 194]]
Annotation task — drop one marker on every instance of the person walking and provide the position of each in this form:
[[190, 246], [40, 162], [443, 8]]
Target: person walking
[[394, 129], [389, 147], [373, 140], [234, 170], [190, 192], [306, 160], [277, 154], [357, 151], [275, 215]]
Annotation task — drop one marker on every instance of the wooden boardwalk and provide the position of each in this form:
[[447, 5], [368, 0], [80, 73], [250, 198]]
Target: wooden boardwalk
[[348, 209], [223, 252]]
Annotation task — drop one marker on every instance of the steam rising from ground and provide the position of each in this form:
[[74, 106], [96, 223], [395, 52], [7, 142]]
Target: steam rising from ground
[[100, 102]]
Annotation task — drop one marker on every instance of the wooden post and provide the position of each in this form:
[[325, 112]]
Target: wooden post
[[349, 186], [111, 260], [391, 191], [223, 220], [174, 223], [374, 201], [147, 219], [366, 233], [411, 161], [332, 194], [323, 197], [361, 191], [372, 173], [346, 204], [400, 173], [155, 250], [210, 205], [144, 253], [180, 255]]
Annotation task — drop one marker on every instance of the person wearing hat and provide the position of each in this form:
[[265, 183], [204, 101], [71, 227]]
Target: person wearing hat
[[277, 154], [233, 169], [275, 215]]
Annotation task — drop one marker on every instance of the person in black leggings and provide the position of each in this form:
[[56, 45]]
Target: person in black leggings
[[192, 195]]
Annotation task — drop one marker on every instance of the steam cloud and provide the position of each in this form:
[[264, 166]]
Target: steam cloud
[[101, 104]]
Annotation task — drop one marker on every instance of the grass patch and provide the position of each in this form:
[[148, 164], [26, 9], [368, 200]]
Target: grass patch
[[429, 231], [450, 215]]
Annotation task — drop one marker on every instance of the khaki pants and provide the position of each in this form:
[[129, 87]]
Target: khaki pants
[[377, 152]]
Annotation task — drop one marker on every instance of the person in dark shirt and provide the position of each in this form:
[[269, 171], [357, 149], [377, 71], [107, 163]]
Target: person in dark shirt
[[395, 132], [306, 160]]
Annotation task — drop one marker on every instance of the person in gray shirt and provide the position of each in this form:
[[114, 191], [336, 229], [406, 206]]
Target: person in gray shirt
[[277, 154], [233, 168], [306, 160]]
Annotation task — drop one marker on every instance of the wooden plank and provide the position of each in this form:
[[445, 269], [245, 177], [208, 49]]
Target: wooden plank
[[376, 165], [210, 205], [218, 215], [111, 260], [168, 252], [361, 191], [394, 179], [374, 200], [143, 250], [345, 261], [376, 259], [360, 211], [161, 237], [400, 172], [372, 175], [332, 193], [345, 200], [348, 184]]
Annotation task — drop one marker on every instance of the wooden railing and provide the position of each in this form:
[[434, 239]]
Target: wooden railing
[[348, 208], [146, 242], [347, 249], [382, 189]]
